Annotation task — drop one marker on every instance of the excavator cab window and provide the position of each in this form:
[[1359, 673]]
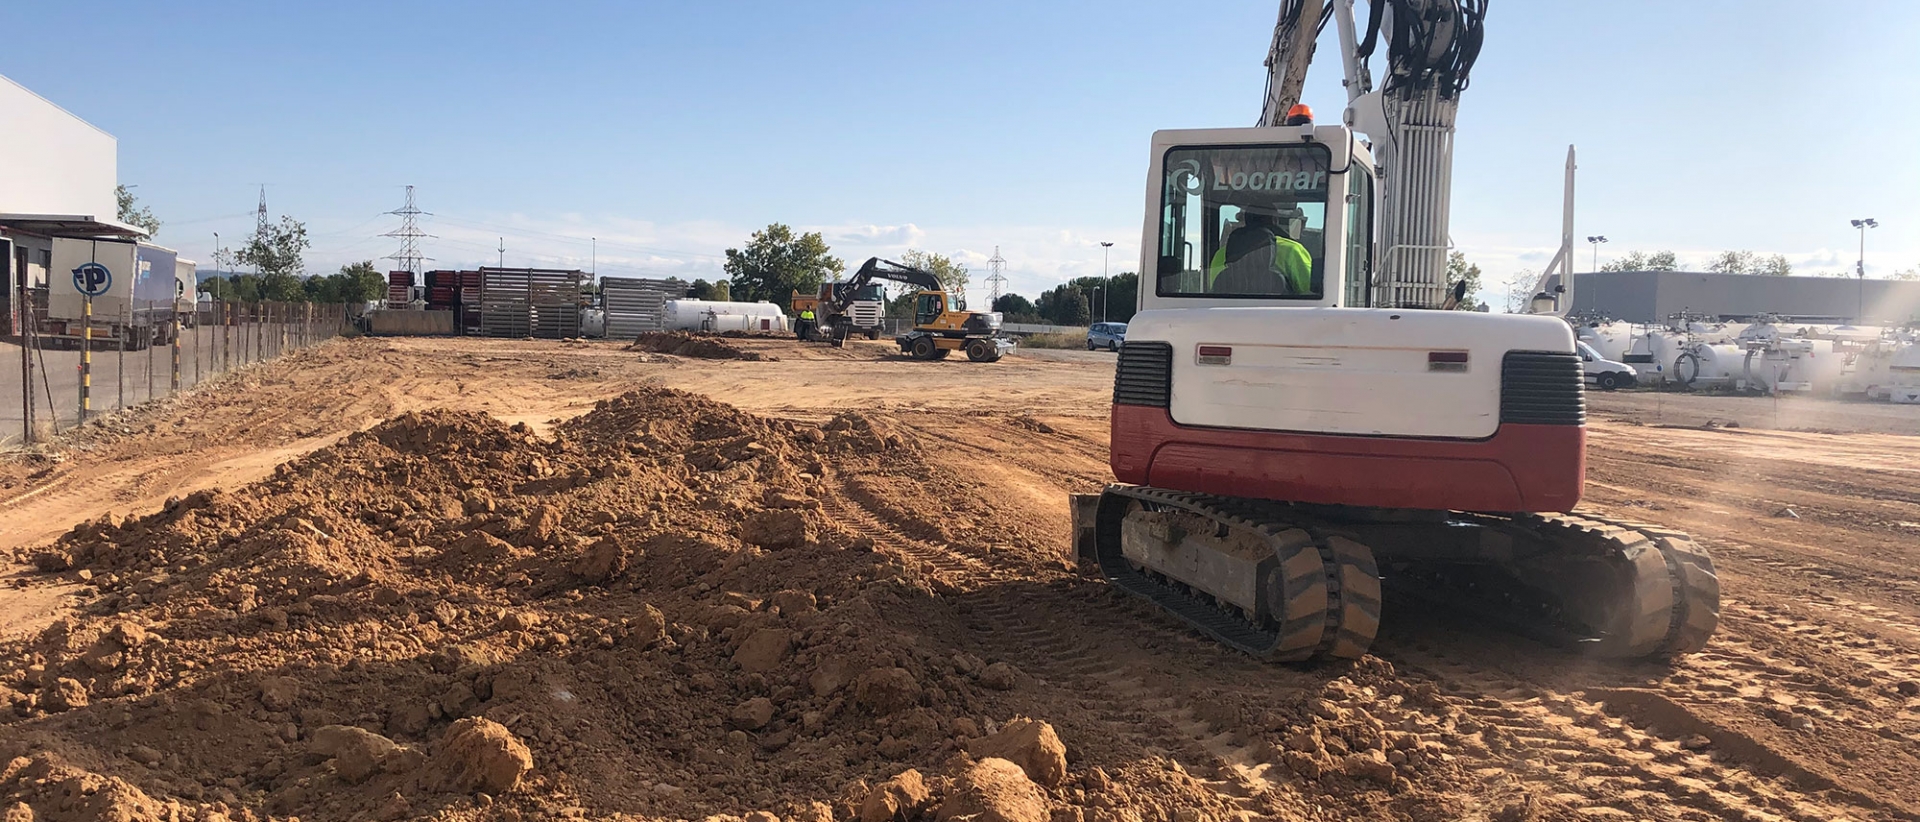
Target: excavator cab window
[[1359, 238], [929, 307], [1244, 221]]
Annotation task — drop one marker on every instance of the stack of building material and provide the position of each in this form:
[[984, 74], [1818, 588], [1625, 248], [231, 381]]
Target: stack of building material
[[399, 288], [635, 305], [469, 299], [530, 302], [443, 290]]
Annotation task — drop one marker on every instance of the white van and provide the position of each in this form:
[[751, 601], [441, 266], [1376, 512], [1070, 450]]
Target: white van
[[1603, 373]]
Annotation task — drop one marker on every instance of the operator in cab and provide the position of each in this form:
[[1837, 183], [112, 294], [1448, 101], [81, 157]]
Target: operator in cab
[[1259, 258]]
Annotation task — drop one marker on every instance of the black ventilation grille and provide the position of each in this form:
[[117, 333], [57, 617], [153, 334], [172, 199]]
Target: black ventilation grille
[[1144, 375], [1542, 388]]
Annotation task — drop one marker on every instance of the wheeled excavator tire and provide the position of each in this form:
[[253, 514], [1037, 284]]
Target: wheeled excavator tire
[[982, 351]]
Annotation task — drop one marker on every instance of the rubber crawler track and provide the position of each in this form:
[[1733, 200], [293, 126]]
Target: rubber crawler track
[[1326, 600], [1669, 596]]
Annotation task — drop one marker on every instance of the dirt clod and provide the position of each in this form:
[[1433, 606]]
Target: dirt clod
[[886, 690], [764, 650], [66, 694], [994, 790], [481, 755], [775, 529], [753, 714], [1000, 676], [903, 796], [357, 753], [1029, 743]]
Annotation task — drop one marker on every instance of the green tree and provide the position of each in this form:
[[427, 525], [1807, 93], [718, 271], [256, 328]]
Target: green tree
[[1117, 295], [775, 263], [722, 291], [1906, 274], [235, 287], [1519, 290], [1014, 308], [139, 217], [1074, 309], [1065, 304], [1458, 270], [1733, 262], [1642, 261], [700, 290], [1773, 266], [953, 276], [275, 251], [358, 283]]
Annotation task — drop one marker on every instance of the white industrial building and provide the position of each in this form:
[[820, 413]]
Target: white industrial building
[[57, 179]]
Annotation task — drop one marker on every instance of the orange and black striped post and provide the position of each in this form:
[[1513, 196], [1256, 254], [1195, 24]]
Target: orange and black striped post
[[86, 358]]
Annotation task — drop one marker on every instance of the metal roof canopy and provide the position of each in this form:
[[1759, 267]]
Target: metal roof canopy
[[72, 226]]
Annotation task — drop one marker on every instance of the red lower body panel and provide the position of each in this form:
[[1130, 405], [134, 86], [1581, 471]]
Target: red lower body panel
[[1536, 468]]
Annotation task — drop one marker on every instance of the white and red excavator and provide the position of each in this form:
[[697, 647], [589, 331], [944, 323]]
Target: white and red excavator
[[1296, 422]]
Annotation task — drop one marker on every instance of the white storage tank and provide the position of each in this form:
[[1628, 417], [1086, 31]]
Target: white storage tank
[[715, 317], [1903, 374], [1703, 365], [1610, 340]]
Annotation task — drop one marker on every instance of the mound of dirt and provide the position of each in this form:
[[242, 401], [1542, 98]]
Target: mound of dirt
[[668, 609], [649, 612], [698, 346]]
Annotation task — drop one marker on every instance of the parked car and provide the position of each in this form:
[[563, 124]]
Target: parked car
[[1106, 335], [1603, 373]]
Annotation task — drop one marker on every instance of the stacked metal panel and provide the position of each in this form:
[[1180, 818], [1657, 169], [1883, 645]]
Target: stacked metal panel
[[530, 302], [469, 302], [399, 288], [636, 305], [442, 290]]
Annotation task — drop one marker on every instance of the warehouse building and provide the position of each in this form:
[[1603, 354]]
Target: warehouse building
[[57, 178], [1656, 296]]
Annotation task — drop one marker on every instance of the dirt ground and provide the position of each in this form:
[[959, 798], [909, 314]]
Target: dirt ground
[[804, 576]]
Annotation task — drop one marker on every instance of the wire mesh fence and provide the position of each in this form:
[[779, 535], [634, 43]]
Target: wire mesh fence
[[56, 373]]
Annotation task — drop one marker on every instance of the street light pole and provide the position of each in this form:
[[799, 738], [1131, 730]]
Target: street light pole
[[1860, 268], [1595, 240], [1106, 284]]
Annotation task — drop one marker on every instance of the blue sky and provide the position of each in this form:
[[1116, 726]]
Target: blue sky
[[672, 130]]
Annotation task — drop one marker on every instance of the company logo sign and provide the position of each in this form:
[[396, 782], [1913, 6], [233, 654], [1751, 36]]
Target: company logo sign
[[1192, 178], [92, 279]]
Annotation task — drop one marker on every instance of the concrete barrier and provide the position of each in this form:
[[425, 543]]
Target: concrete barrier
[[408, 323], [1035, 328]]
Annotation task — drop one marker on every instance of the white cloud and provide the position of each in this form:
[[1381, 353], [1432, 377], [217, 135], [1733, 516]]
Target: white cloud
[[876, 235]]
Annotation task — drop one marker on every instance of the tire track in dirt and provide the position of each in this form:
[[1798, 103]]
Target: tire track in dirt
[[1592, 734], [1046, 628]]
